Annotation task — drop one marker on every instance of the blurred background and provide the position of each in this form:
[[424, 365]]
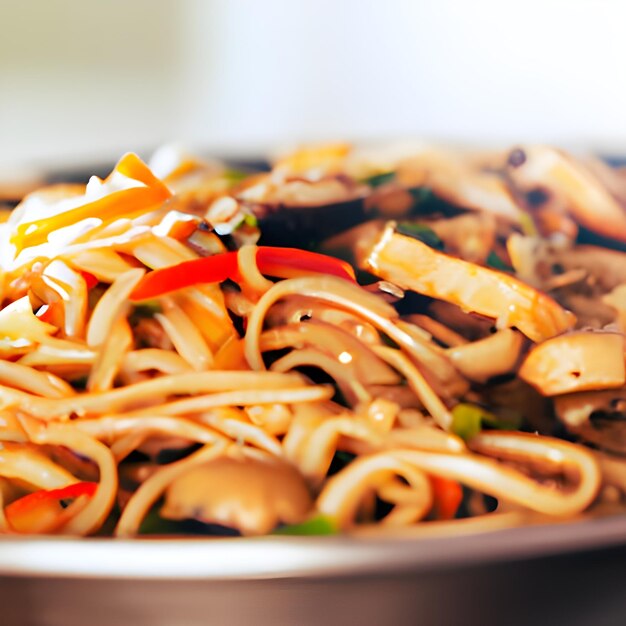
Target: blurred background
[[85, 80]]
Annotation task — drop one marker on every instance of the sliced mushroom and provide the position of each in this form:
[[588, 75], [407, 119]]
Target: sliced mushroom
[[457, 180], [578, 361], [563, 184], [412, 264], [301, 209], [250, 494], [613, 470], [536, 259], [608, 267], [580, 276], [575, 409], [493, 356], [470, 236], [613, 178], [468, 326], [314, 160], [617, 300], [606, 434], [597, 417]]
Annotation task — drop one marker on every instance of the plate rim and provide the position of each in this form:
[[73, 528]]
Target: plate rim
[[230, 559]]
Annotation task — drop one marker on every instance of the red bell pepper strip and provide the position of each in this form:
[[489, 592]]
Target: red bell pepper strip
[[290, 262], [40, 509], [447, 497], [48, 314], [276, 262], [90, 279]]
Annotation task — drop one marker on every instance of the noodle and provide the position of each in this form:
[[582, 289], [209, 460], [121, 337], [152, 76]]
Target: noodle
[[34, 381], [187, 340], [337, 293], [111, 306], [342, 494], [162, 361], [355, 392], [274, 418], [30, 466], [111, 356], [250, 274], [111, 428], [245, 397], [151, 353], [150, 391], [336, 342], [418, 383], [507, 484], [230, 423], [92, 516], [316, 453]]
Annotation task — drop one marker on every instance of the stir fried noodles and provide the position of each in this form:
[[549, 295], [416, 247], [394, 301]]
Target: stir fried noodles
[[412, 340]]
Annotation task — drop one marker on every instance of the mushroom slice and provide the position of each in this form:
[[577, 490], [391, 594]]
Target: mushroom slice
[[412, 264], [605, 434], [252, 494], [617, 300], [456, 180], [578, 361], [471, 236], [314, 160], [613, 470], [565, 184], [575, 409], [495, 355], [596, 417]]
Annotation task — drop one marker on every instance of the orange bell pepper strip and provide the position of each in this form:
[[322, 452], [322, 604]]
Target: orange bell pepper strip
[[90, 279], [128, 202]]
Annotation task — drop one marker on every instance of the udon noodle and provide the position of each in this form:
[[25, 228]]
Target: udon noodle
[[163, 371]]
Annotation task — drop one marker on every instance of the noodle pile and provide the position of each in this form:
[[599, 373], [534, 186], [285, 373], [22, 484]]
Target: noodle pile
[[261, 390]]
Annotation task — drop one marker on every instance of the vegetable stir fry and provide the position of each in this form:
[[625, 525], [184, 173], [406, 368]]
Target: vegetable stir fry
[[357, 340]]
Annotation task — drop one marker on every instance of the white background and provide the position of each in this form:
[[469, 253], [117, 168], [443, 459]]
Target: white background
[[85, 79]]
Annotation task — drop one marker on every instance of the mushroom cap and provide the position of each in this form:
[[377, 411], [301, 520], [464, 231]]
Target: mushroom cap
[[250, 494]]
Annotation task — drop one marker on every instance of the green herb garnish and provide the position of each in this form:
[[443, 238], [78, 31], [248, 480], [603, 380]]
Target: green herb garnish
[[527, 224], [315, 526], [422, 195], [469, 419], [235, 176], [154, 524], [380, 179], [251, 220], [493, 260], [146, 309], [422, 233]]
